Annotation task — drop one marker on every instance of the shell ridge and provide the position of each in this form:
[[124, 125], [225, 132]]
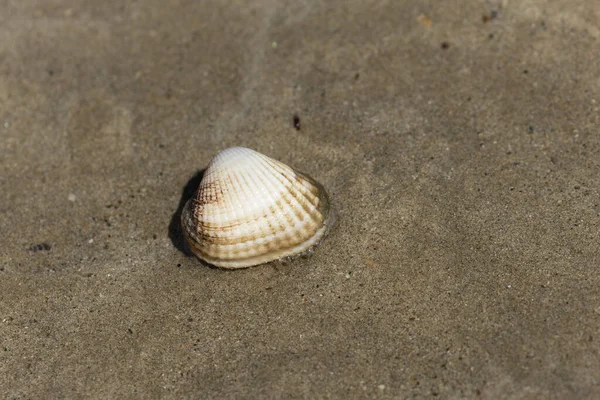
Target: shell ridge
[[297, 216], [242, 202], [250, 209], [286, 172], [260, 180], [267, 182], [297, 199], [284, 177], [308, 207], [215, 226], [245, 184]]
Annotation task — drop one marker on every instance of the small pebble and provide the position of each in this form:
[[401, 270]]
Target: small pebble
[[91, 241], [40, 247], [72, 197]]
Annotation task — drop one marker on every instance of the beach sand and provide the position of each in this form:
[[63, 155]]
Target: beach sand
[[459, 143]]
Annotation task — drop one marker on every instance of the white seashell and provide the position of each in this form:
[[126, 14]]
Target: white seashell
[[251, 209]]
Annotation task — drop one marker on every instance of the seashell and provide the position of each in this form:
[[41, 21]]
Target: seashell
[[251, 209]]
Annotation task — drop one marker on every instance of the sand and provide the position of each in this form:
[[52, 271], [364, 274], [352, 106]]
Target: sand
[[459, 143]]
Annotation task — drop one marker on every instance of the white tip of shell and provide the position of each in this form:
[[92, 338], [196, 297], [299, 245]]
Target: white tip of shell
[[251, 209]]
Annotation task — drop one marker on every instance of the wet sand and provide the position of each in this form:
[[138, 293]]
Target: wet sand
[[460, 146]]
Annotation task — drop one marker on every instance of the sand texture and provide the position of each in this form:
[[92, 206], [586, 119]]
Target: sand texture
[[459, 142]]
